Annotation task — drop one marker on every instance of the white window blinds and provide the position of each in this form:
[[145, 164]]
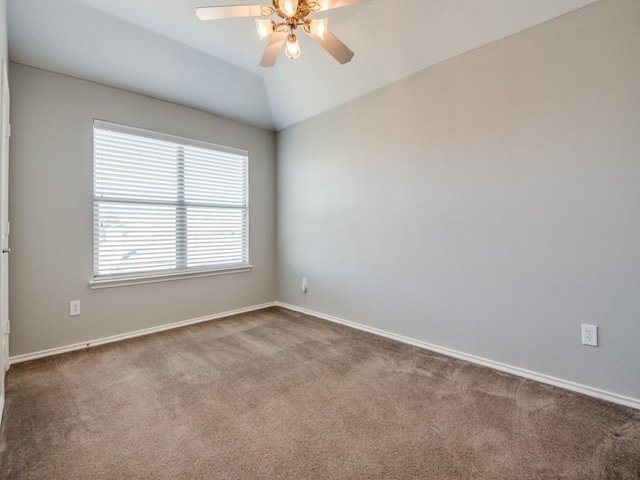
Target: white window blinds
[[165, 205]]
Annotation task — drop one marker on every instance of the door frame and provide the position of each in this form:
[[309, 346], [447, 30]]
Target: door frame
[[5, 133]]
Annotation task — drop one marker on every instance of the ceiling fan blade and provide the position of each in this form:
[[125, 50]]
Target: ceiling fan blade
[[232, 11], [273, 49], [334, 46], [329, 4]]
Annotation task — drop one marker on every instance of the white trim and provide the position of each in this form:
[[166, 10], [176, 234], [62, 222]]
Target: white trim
[[1, 409], [520, 372], [138, 333], [143, 132], [107, 282]]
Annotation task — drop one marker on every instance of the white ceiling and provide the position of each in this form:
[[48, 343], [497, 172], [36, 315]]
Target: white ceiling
[[160, 48]]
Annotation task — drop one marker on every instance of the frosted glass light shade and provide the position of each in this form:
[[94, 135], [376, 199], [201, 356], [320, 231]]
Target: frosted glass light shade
[[293, 48], [318, 27], [289, 7], [264, 27]]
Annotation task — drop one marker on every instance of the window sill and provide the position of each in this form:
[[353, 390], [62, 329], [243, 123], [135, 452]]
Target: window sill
[[163, 277]]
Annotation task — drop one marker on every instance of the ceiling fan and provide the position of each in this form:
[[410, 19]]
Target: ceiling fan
[[293, 14]]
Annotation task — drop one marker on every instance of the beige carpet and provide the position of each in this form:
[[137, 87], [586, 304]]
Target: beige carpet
[[278, 395]]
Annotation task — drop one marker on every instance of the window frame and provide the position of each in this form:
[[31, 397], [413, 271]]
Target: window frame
[[142, 277]]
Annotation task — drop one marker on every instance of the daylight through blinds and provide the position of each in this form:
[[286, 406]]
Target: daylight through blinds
[[166, 204]]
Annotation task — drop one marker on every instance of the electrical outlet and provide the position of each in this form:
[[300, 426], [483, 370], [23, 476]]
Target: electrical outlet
[[74, 308], [304, 285], [590, 335]]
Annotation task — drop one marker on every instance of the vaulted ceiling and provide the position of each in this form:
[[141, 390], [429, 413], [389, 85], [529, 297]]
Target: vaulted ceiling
[[161, 49]]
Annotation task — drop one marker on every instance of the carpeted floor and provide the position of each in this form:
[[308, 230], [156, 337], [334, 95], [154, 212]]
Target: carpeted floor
[[278, 395]]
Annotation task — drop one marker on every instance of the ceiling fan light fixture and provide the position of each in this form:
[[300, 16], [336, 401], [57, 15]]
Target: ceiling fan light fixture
[[289, 7], [264, 27], [293, 14], [293, 48], [318, 27]]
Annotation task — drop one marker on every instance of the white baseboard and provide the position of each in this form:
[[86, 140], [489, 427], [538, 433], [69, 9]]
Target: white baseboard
[[147, 331], [521, 372]]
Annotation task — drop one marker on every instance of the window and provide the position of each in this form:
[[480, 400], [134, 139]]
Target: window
[[166, 206]]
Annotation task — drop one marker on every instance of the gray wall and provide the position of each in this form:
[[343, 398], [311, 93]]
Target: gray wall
[[489, 204], [51, 214]]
